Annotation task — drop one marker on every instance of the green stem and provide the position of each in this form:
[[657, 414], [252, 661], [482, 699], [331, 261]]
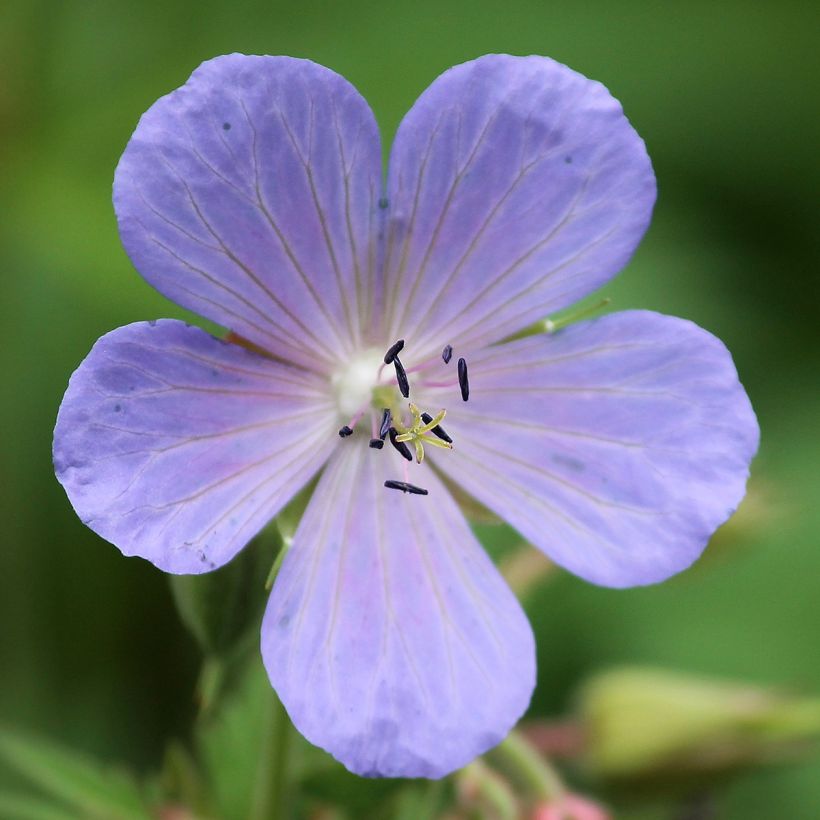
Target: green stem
[[480, 785], [210, 682], [523, 762], [271, 774], [287, 540]]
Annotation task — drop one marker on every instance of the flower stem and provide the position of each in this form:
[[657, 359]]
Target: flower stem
[[269, 792], [478, 785], [523, 762], [209, 685]]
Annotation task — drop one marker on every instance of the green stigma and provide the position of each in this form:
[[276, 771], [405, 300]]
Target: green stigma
[[417, 432]]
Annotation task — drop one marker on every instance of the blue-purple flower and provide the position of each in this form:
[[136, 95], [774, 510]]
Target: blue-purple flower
[[253, 195]]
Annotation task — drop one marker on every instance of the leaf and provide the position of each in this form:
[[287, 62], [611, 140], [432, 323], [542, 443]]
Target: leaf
[[229, 743], [358, 797], [223, 609], [86, 785], [181, 782], [17, 807]]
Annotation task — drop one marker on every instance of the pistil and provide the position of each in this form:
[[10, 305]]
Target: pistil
[[416, 433]]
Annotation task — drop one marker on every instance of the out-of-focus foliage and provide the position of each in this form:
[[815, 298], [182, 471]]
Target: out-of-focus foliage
[[660, 727], [223, 608], [74, 784], [93, 655]]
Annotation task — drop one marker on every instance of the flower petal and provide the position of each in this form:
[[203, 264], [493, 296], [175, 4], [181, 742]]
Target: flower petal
[[246, 195], [390, 636], [617, 445], [179, 447], [516, 187]]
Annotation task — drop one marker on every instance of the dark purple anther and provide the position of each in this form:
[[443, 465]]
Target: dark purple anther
[[345, 431], [404, 487], [401, 377], [400, 445], [387, 418], [393, 351], [463, 381], [447, 353], [438, 430]]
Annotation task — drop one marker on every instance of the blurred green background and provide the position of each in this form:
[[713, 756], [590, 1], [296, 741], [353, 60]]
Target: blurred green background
[[724, 93]]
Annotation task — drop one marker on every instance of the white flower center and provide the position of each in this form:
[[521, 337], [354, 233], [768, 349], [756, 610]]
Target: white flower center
[[353, 384]]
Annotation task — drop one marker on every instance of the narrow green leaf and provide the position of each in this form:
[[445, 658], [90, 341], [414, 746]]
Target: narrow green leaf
[[181, 781], [88, 786], [18, 807], [229, 741]]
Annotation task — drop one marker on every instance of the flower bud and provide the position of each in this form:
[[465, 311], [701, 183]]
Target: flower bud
[[647, 723]]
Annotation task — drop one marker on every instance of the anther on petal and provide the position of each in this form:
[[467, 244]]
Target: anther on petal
[[447, 353], [393, 351], [400, 445], [438, 430], [376, 443], [384, 427], [404, 487], [345, 431], [463, 380], [401, 377]]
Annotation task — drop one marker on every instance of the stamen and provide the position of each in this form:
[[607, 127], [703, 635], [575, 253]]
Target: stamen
[[405, 487], [447, 353], [401, 377], [399, 445], [384, 427], [345, 431], [393, 351], [463, 380], [376, 443], [437, 430]]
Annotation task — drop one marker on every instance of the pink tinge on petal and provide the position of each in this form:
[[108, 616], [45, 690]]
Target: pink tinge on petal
[[516, 186], [390, 637], [617, 445], [178, 447], [247, 195]]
